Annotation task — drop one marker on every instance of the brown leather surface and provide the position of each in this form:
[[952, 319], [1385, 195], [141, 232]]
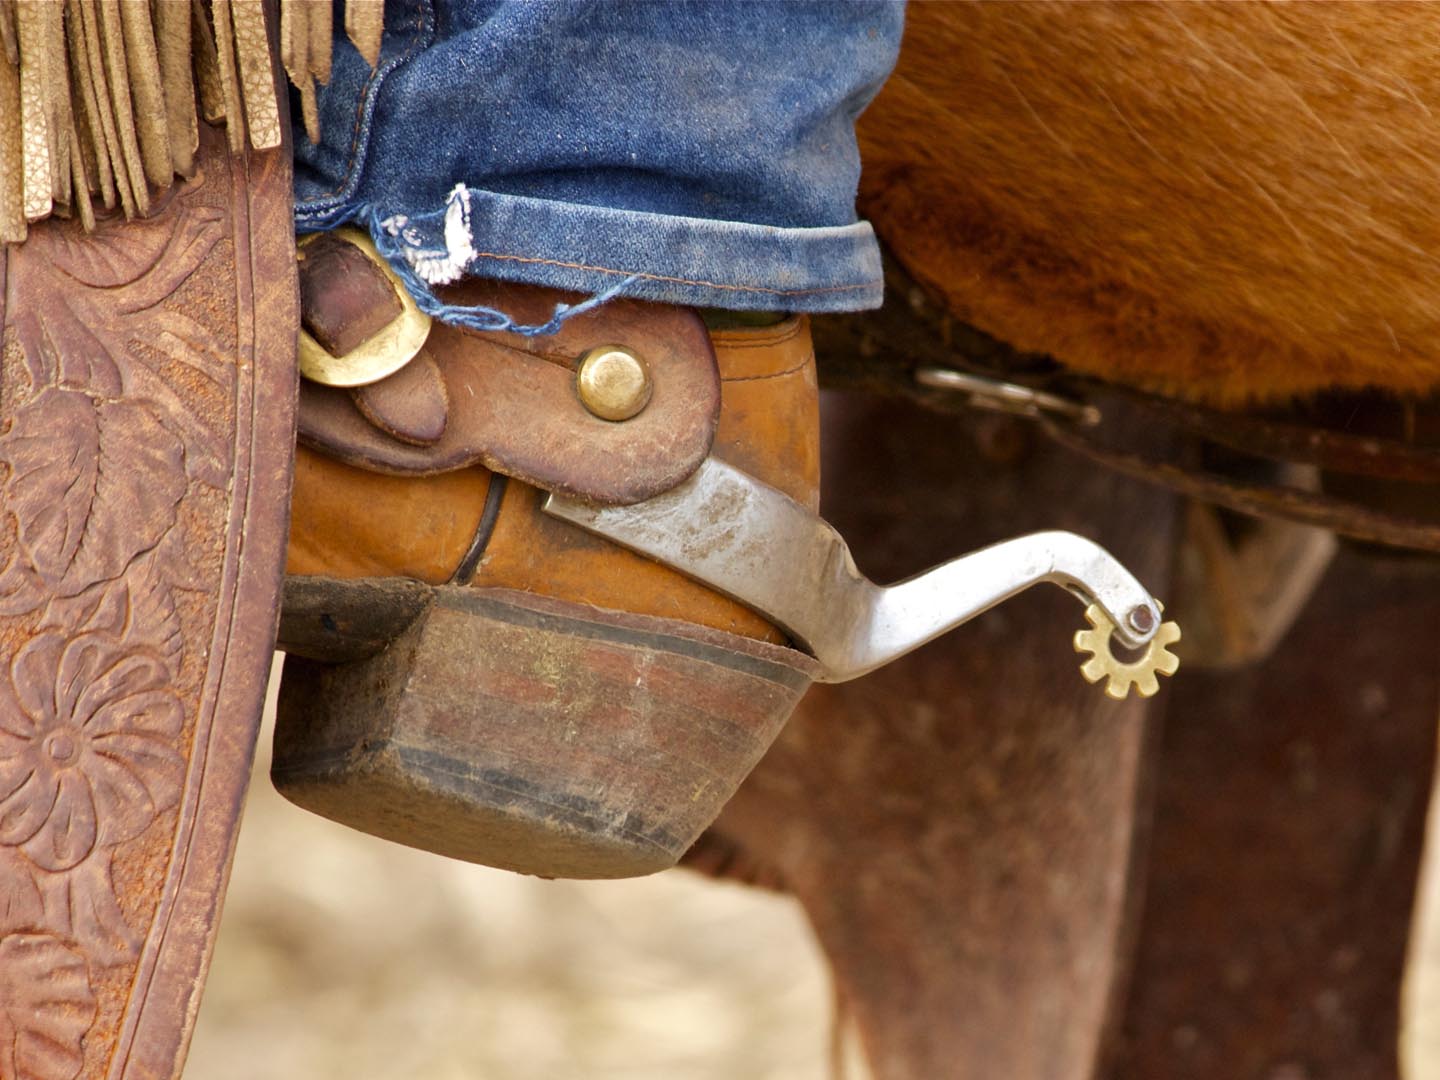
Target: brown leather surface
[[148, 399], [412, 405], [351, 523], [514, 407], [771, 407], [768, 426], [345, 298], [346, 522]]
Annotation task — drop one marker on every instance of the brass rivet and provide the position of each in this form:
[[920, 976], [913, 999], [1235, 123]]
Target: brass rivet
[[1141, 619], [613, 383]]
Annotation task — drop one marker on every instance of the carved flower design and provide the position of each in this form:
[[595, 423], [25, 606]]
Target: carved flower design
[[88, 751]]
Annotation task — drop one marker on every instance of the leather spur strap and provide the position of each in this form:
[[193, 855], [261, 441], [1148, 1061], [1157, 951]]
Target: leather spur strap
[[508, 402], [146, 432]]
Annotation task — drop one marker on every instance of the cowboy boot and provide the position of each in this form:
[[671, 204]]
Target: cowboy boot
[[551, 702], [537, 697]]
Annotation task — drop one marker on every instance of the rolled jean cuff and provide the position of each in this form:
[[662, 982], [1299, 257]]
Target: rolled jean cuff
[[699, 262]]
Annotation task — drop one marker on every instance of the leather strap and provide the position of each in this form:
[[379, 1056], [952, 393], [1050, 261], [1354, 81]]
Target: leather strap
[[509, 402], [1345, 516], [345, 298], [1302, 435], [1374, 460], [1372, 513]]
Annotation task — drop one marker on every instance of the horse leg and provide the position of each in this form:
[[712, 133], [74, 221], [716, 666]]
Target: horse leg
[[1289, 825]]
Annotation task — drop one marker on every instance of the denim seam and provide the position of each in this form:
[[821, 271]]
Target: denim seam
[[363, 109], [664, 277]]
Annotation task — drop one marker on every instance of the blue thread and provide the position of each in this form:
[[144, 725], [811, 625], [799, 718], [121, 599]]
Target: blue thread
[[393, 245]]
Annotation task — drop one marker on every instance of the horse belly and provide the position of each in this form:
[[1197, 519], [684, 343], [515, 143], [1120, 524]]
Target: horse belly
[[1230, 202]]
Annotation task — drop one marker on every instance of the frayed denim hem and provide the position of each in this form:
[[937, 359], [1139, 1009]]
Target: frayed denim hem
[[608, 253]]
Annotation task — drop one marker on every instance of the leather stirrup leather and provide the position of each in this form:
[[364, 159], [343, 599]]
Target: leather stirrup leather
[[147, 395]]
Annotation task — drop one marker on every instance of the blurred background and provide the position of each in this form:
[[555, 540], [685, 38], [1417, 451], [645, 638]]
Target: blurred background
[[344, 956]]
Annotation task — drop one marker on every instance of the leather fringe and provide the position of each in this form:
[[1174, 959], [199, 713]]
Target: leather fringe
[[100, 99]]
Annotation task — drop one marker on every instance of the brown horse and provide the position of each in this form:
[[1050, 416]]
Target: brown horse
[[1232, 204]]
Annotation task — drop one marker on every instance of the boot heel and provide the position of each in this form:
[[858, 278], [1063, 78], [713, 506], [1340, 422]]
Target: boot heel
[[535, 735]]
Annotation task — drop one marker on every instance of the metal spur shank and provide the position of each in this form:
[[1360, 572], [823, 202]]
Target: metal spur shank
[[747, 540]]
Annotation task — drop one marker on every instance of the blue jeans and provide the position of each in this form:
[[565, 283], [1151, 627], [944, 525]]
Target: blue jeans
[[698, 153]]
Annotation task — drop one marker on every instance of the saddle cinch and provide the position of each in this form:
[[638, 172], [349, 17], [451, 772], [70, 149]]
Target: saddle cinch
[[549, 599]]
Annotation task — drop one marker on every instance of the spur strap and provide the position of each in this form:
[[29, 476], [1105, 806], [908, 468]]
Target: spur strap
[[146, 431], [388, 391]]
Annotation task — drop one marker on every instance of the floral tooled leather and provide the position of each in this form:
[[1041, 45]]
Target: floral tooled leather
[[146, 412]]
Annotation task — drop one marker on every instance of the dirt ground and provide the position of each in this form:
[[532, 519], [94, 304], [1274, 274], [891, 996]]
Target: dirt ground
[[342, 956]]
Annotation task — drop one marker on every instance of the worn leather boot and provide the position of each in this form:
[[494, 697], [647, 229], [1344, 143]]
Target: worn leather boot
[[551, 703]]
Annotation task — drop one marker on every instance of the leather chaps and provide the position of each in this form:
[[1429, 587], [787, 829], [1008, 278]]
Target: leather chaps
[[147, 393]]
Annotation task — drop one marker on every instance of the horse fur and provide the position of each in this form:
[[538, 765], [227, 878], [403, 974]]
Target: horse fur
[[1232, 203]]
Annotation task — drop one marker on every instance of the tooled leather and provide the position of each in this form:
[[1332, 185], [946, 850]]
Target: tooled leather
[[148, 396]]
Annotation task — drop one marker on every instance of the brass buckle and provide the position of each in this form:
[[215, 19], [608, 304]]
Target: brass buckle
[[389, 350]]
